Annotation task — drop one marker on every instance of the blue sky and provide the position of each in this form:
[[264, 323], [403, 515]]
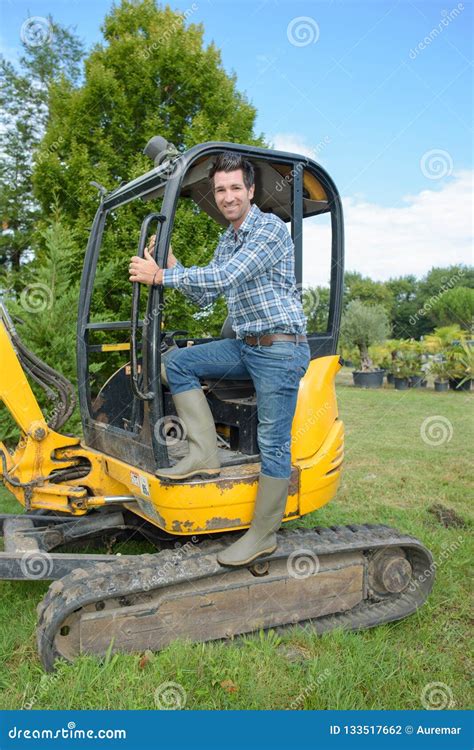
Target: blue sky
[[349, 83]]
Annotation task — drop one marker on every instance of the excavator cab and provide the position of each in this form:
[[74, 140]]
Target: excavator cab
[[131, 417], [105, 480], [128, 417]]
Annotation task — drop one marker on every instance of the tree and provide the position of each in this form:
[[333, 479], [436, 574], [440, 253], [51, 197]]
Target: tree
[[54, 54], [366, 290], [363, 325], [316, 308], [404, 290], [455, 306], [151, 75], [41, 310], [433, 287]]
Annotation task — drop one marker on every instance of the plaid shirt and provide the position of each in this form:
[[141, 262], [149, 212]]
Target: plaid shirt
[[255, 270]]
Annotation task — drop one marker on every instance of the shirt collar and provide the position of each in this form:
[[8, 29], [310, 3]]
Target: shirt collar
[[247, 223]]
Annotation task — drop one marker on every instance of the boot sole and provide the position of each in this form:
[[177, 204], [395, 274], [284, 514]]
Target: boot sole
[[249, 559], [192, 475]]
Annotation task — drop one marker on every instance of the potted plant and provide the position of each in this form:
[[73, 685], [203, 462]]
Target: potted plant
[[363, 325], [440, 369], [461, 362], [443, 337], [381, 355], [401, 374], [414, 360], [407, 366], [386, 364]]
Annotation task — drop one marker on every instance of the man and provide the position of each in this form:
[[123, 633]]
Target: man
[[253, 267]]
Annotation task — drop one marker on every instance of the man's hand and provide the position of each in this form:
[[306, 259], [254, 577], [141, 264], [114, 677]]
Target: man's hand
[[172, 260], [145, 270]]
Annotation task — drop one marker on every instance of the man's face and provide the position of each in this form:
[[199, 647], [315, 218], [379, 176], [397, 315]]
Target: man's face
[[231, 196]]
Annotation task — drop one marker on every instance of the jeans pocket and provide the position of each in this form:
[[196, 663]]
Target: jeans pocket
[[278, 350]]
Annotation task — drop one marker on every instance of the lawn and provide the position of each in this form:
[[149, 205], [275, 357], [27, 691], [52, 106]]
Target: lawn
[[405, 452]]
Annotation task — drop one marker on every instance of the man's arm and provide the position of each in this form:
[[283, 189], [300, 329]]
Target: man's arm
[[198, 297], [267, 246], [146, 271]]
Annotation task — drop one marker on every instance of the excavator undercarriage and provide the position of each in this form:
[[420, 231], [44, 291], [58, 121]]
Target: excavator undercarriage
[[350, 577]]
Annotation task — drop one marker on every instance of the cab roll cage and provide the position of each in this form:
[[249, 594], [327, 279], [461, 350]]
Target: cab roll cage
[[135, 446]]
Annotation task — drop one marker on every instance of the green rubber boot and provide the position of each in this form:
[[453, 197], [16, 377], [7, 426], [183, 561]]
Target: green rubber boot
[[260, 539], [203, 460]]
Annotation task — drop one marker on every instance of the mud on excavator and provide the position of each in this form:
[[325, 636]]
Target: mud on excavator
[[103, 487]]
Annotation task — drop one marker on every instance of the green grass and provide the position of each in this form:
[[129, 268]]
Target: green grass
[[391, 476]]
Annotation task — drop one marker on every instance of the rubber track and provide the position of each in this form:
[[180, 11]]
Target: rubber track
[[124, 578]]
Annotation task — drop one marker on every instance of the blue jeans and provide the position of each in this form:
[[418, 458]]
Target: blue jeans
[[275, 371]]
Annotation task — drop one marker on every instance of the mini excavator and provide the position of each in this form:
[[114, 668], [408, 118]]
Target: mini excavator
[[101, 487]]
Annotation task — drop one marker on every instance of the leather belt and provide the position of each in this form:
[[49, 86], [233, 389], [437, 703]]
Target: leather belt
[[268, 338]]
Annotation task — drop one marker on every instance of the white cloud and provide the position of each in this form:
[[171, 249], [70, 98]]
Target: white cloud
[[432, 228], [296, 144]]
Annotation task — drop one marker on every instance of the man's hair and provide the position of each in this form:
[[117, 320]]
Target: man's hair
[[228, 161]]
